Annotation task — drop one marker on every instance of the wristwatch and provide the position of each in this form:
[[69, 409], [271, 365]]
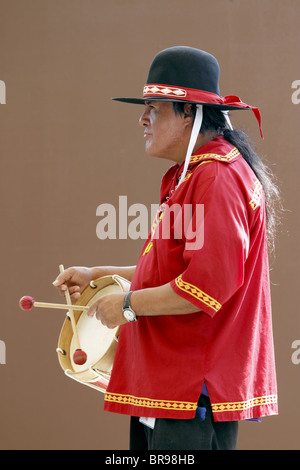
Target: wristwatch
[[128, 313]]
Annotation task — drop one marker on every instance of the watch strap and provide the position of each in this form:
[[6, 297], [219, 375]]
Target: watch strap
[[126, 306], [126, 303]]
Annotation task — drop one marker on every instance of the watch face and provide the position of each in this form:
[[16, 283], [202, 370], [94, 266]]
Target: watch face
[[130, 316]]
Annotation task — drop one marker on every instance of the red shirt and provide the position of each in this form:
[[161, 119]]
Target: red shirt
[[162, 362]]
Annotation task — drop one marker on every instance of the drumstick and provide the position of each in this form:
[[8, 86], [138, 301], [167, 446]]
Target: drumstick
[[27, 303], [79, 356]]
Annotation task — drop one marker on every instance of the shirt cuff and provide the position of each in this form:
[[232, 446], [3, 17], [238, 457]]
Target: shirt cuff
[[196, 296]]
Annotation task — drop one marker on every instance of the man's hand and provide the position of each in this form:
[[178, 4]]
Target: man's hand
[[108, 310], [76, 279]]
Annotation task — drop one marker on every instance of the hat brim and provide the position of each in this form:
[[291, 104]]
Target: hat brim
[[161, 98]]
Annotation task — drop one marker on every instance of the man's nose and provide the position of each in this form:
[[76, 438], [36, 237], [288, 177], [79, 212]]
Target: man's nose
[[144, 119]]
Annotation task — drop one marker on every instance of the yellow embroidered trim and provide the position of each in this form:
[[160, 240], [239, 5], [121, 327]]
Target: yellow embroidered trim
[[256, 196], [150, 403], [155, 223], [190, 173], [244, 405], [222, 158], [197, 293], [148, 248]]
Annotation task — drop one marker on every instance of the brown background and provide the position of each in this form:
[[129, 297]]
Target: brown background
[[66, 148]]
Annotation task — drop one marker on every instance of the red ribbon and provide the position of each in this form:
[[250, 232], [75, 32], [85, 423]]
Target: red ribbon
[[198, 96], [232, 100]]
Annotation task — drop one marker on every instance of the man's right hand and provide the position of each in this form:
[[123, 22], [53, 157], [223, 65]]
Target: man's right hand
[[76, 279]]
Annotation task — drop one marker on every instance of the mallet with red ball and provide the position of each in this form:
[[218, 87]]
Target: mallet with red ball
[[79, 356], [27, 303]]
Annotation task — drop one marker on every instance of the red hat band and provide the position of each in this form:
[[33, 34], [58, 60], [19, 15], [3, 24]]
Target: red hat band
[[153, 90]]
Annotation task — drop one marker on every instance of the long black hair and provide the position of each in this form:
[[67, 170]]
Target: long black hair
[[214, 119]]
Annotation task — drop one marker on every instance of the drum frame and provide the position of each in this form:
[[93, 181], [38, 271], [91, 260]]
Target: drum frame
[[97, 375]]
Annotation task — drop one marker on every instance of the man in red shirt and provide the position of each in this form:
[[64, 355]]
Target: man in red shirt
[[195, 352]]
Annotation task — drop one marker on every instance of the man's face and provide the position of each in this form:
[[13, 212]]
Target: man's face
[[166, 133]]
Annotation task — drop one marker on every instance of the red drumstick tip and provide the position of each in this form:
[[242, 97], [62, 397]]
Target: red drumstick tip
[[26, 302], [79, 357]]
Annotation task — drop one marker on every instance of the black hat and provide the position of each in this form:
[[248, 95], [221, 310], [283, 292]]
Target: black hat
[[188, 75]]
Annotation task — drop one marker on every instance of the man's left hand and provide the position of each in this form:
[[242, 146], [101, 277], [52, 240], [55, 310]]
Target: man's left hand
[[108, 310]]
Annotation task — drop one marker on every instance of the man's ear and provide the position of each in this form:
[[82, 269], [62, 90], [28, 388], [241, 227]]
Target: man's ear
[[188, 115]]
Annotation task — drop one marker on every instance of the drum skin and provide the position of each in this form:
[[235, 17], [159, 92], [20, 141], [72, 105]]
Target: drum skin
[[98, 341]]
